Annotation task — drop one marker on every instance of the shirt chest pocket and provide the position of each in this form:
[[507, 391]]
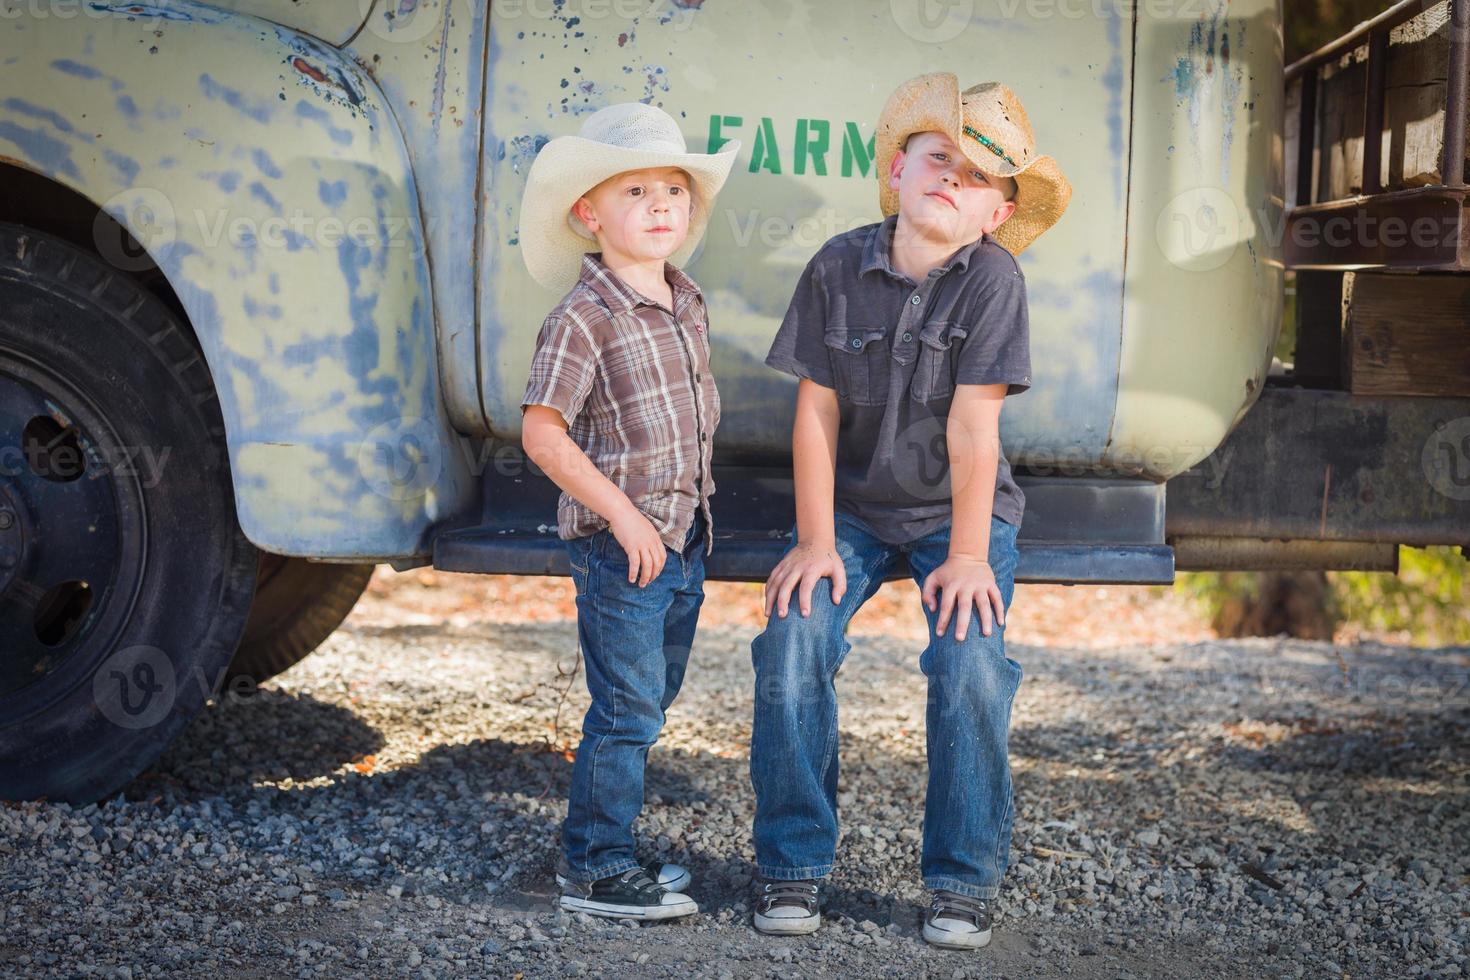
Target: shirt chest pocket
[[939, 347], [860, 362]]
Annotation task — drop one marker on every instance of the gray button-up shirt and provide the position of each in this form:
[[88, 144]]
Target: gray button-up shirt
[[632, 380], [894, 349]]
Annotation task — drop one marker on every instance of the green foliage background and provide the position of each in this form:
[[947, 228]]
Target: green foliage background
[[1429, 600], [1429, 597]]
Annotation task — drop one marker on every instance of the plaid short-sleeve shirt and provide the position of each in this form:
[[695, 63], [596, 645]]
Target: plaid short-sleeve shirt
[[632, 380]]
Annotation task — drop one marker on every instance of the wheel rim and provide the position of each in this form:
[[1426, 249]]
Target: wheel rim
[[70, 530]]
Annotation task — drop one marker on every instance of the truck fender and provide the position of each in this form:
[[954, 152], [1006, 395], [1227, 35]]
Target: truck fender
[[266, 177]]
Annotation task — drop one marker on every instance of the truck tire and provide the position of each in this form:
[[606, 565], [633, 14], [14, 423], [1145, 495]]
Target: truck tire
[[298, 604], [125, 580]]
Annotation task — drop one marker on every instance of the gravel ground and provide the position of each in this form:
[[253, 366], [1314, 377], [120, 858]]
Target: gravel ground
[[389, 807]]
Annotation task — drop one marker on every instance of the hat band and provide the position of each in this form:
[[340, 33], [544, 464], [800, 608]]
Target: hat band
[[989, 144]]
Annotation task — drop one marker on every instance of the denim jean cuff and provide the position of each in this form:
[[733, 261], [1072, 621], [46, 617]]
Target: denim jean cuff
[[968, 889], [596, 874], [795, 874]]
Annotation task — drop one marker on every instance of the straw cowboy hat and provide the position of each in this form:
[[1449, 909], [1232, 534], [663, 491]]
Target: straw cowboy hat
[[988, 124], [613, 140]]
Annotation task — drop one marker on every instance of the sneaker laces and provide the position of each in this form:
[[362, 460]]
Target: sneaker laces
[[792, 894], [952, 905]]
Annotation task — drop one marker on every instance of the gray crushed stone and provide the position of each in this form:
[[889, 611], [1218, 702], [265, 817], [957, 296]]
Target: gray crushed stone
[[390, 807]]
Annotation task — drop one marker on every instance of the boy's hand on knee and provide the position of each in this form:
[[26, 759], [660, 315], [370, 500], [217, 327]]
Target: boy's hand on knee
[[964, 584], [640, 541], [801, 569]]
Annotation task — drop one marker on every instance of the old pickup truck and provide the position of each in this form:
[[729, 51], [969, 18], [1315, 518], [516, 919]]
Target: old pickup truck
[[264, 323]]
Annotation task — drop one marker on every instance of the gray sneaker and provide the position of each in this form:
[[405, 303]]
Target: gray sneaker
[[630, 895], [787, 908], [957, 921]]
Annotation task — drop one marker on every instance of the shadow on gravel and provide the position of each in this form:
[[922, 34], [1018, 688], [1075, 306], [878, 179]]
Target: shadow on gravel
[[1265, 674], [1341, 731], [510, 800], [266, 735], [532, 769], [1407, 750]]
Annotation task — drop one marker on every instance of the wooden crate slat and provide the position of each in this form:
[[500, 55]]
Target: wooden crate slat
[[1412, 137], [1406, 334]]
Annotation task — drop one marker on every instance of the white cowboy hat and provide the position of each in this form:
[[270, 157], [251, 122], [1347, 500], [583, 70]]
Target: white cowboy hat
[[989, 126], [613, 140]]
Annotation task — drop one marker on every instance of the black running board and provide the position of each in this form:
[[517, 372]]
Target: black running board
[[1081, 530]]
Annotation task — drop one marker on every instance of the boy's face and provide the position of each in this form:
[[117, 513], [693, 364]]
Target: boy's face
[[639, 216], [945, 197]]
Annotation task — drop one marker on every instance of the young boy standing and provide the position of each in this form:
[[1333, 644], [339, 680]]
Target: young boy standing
[[907, 336], [620, 411]]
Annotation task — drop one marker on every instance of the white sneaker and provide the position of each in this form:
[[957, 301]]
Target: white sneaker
[[787, 908], [957, 921]]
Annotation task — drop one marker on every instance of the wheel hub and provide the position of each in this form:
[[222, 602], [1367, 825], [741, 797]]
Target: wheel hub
[[60, 545]]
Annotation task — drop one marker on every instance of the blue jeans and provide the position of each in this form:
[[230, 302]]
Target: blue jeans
[[635, 643], [793, 751]]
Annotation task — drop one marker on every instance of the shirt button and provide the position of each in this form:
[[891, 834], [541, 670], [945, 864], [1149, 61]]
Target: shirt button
[[701, 437], [857, 343], [907, 336], [916, 300]]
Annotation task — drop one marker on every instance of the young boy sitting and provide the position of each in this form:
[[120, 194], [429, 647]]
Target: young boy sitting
[[907, 336], [620, 411]]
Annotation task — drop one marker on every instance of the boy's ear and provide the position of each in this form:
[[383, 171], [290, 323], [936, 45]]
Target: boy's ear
[[1005, 211], [895, 169], [583, 210]]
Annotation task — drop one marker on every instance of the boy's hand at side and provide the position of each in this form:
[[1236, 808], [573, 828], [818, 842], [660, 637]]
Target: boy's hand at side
[[964, 584], [544, 437], [799, 570], [640, 540]]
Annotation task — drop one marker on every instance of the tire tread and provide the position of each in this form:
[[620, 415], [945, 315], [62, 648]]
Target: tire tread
[[71, 275]]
